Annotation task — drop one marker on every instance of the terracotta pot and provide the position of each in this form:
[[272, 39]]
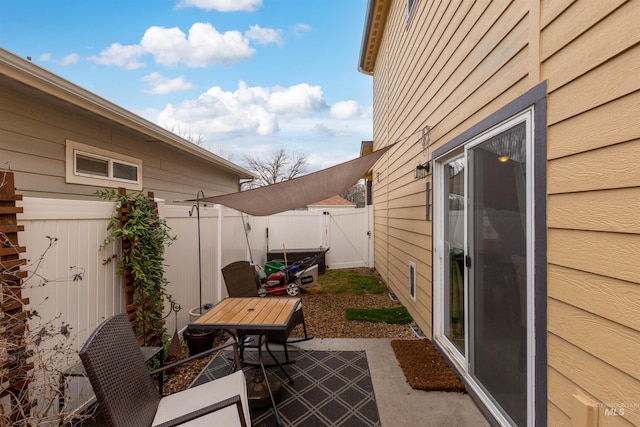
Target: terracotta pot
[[170, 360]]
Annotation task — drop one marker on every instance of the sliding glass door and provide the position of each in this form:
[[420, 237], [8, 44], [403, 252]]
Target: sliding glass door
[[483, 246], [454, 294], [498, 253]]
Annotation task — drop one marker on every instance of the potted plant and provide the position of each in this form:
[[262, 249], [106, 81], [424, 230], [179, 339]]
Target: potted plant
[[199, 340]]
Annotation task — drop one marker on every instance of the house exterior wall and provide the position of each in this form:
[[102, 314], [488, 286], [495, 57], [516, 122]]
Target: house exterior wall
[[454, 65], [34, 128], [590, 58]]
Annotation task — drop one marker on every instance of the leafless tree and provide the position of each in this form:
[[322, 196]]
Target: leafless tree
[[277, 167], [196, 139], [355, 194]]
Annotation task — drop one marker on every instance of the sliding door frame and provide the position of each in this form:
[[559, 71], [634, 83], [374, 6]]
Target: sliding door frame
[[534, 100]]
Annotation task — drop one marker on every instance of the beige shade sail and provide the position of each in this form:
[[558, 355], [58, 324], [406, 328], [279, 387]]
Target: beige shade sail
[[298, 192]]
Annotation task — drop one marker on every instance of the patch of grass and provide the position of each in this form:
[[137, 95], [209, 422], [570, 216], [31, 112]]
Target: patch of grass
[[394, 316], [349, 282]]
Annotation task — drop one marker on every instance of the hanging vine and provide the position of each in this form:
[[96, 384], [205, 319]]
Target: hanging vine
[[144, 236]]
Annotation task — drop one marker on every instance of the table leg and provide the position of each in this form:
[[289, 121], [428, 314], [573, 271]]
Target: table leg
[[266, 344], [240, 350], [266, 380]]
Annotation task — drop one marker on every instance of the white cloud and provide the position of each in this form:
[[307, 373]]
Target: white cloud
[[253, 118], [324, 130], [162, 85], [299, 30], [222, 5], [148, 113], [345, 110], [69, 59], [203, 46], [246, 111], [323, 160], [264, 36], [297, 99], [120, 56]]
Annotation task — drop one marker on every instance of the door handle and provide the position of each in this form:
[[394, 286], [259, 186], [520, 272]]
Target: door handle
[[440, 249]]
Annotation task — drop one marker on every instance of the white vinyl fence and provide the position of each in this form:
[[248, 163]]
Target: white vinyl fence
[[347, 232], [73, 279], [74, 283]]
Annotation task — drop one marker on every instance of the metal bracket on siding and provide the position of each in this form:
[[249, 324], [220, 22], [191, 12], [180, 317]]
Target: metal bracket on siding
[[428, 204]]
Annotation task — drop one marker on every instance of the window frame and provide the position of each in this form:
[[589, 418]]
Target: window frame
[[411, 8], [73, 176]]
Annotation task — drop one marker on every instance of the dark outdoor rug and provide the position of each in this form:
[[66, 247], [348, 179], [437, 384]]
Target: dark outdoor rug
[[331, 388], [424, 367]]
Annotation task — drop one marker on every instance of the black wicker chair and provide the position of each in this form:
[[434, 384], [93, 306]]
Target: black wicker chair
[[128, 396], [240, 280]]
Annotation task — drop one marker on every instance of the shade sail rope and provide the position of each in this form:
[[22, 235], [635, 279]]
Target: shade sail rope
[[301, 191]]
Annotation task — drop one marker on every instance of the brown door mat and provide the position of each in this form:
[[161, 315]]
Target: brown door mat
[[424, 367]]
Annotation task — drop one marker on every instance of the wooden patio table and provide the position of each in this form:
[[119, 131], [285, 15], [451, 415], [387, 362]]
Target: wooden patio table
[[253, 314]]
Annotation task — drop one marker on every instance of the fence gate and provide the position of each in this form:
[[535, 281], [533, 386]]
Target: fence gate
[[347, 232]]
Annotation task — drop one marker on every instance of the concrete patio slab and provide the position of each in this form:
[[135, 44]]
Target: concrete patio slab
[[398, 404]]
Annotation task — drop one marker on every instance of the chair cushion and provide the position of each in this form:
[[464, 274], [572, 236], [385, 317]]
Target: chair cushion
[[189, 400]]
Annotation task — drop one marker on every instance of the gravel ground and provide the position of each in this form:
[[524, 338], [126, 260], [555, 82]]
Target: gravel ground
[[324, 317]]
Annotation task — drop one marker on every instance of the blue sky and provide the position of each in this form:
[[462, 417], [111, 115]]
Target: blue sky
[[245, 76]]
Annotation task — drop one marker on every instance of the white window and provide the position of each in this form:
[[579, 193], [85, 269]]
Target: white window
[[90, 165], [411, 7], [412, 280]]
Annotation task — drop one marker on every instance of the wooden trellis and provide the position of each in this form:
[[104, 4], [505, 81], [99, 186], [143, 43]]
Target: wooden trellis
[[14, 366], [127, 275]]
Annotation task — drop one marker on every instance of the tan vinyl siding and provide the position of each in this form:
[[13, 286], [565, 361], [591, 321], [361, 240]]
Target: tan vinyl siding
[[601, 380], [605, 39], [597, 214], [560, 390], [33, 133], [615, 168], [455, 64], [591, 60], [605, 125], [558, 418]]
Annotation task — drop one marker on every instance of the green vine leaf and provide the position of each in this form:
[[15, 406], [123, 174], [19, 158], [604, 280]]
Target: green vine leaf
[[144, 236]]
